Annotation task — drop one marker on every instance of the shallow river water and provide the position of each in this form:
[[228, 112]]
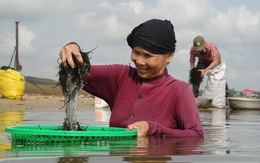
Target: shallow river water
[[230, 136]]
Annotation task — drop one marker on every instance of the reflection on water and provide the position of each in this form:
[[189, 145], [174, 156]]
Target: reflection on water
[[102, 115], [130, 159], [72, 159], [157, 146], [245, 112], [215, 124], [153, 146], [154, 159], [224, 129], [8, 119]]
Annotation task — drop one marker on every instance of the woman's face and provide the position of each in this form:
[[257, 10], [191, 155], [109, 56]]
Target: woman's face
[[149, 65]]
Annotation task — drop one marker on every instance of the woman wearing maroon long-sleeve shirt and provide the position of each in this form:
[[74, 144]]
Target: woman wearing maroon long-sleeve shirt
[[145, 98]]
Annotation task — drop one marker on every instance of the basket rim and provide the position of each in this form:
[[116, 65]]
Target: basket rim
[[50, 130]]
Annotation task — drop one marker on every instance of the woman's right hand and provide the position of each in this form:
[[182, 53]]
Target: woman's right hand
[[142, 128], [66, 54]]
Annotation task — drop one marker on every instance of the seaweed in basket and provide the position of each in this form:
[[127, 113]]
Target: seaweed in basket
[[71, 81]]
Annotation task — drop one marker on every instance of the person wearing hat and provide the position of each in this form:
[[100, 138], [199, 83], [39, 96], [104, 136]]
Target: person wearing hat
[[208, 58], [145, 97]]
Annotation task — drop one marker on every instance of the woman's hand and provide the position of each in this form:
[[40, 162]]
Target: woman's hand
[[142, 128], [66, 54]]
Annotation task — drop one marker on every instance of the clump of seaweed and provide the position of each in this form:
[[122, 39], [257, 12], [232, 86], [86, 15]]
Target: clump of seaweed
[[71, 81], [76, 75], [195, 76]]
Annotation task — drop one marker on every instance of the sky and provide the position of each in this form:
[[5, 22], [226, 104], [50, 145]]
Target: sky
[[45, 26]]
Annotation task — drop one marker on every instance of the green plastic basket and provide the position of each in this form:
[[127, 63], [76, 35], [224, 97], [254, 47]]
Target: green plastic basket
[[54, 134]]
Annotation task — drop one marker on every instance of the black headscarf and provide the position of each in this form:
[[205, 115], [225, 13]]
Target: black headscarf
[[156, 36]]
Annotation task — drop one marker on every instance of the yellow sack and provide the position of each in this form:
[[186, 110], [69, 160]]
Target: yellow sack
[[12, 84]]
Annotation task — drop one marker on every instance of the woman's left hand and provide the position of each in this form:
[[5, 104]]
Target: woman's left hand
[[142, 128]]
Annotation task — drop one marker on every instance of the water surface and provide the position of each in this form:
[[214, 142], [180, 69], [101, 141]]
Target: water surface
[[230, 136]]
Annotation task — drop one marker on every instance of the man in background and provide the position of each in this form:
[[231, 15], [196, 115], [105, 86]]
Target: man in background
[[208, 58]]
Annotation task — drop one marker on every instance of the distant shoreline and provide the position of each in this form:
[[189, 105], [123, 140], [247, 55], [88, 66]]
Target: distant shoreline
[[41, 94]]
